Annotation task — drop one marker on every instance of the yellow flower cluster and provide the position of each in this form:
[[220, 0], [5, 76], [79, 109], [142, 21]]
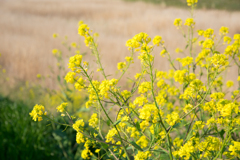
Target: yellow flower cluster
[[110, 135], [235, 149], [177, 22], [189, 22], [191, 2], [144, 87], [157, 40], [187, 149], [173, 118], [121, 66], [93, 122], [78, 125], [179, 76], [137, 40], [209, 145], [185, 61], [83, 30], [80, 84], [86, 153], [61, 108], [142, 142], [37, 112], [75, 62], [70, 77], [142, 155]]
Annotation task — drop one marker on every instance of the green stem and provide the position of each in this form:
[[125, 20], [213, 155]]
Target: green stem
[[99, 101]]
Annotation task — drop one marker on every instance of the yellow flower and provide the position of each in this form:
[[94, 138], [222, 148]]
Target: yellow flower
[[97, 150], [200, 32], [129, 59], [80, 84], [157, 40], [178, 50], [55, 35], [142, 142], [61, 108], [55, 51], [208, 43], [173, 118], [37, 112], [185, 61], [198, 125], [235, 149], [191, 2], [163, 52], [74, 44], [179, 75], [229, 84], [70, 77], [121, 66], [227, 39], [93, 122], [110, 135], [78, 125], [80, 138], [189, 22], [144, 87], [177, 22], [142, 155], [208, 33], [223, 31]]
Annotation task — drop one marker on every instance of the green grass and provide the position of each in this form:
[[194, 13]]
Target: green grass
[[230, 5], [21, 138]]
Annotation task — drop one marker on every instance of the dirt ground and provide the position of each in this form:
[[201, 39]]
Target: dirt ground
[[26, 29]]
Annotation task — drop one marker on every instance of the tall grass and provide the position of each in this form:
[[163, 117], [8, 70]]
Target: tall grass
[[26, 47]]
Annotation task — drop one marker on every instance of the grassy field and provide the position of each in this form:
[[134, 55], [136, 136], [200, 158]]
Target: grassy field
[[230, 5], [27, 27]]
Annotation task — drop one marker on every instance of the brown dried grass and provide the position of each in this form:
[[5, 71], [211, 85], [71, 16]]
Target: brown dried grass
[[26, 29]]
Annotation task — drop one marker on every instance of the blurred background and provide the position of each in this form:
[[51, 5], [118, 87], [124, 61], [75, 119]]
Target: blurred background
[[31, 74]]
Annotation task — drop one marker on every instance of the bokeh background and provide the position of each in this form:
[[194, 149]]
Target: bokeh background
[[26, 28], [26, 43]]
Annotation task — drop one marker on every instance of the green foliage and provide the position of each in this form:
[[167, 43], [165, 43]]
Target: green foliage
[[231, 5], [22, 138]]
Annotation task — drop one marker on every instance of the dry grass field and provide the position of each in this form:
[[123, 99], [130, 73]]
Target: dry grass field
[[26, 29]]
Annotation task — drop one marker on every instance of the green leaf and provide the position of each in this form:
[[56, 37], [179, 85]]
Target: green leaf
[[84, 109], [105, 146], [138, 126], [216, 52], [118, 121], [222, 133], [136, 146], [186, 46]]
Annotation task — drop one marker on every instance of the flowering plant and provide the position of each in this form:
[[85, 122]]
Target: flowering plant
[[183, 113]]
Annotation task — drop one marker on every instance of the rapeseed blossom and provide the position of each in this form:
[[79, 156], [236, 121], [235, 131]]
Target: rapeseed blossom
[[37, 112]]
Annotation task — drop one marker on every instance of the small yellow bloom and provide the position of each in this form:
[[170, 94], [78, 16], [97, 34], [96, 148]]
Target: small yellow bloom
[[177, 22], [121, 65], [3, 70], [55, 51], [189, 22], [39, 75], [229, 84], [55, 35], [74, 45], [61, 108], [223, 31]]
